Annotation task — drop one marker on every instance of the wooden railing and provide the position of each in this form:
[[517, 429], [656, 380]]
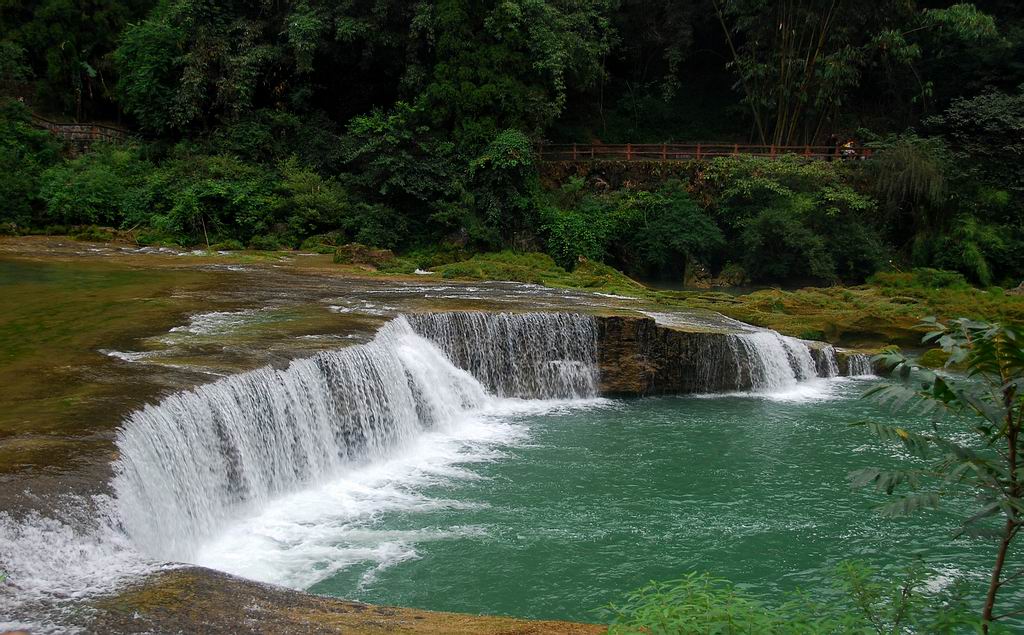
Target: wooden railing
[[82, 133], [686, 151]]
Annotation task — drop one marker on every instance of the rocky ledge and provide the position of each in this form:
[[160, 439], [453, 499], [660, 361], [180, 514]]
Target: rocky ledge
[[637, 357], [197, 600]]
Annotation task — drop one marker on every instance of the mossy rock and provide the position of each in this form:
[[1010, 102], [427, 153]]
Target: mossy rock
[[358, 254], [933, 358], [937, 358]]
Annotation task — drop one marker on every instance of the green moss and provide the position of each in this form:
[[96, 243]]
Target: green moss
[[538, 268], [92, 233], [228, 245], [933, 358], [158, 238]]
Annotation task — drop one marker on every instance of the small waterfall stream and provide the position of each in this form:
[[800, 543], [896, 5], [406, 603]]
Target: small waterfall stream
[[859, 365], [526, 355], [768, 361]]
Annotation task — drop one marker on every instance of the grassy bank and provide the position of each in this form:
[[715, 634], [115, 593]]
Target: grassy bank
[[885, 310]]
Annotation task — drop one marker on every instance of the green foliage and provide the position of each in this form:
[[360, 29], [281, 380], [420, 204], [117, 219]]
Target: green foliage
[[95, 188], [265, 243], [798, 63], [505, 185], [397, 161], [988, 406], [795, 219], [668, 228], [68, 45], [25, 153], [13, 65], [986, 131], [862, 602], [647, 232], [910, 175], [309, 203], [921, 278], [500, 65], [149, 59], [203, 197]]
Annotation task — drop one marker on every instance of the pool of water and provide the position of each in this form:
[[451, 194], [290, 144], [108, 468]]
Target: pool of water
[[555, 511]]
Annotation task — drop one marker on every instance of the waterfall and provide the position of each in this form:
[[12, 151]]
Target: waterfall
[[529, 355], [827, 364], [767, 361], [858, 364], [201, 457]]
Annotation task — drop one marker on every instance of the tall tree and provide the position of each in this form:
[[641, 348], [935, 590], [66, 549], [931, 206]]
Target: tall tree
[[68, 44], [797, 61]]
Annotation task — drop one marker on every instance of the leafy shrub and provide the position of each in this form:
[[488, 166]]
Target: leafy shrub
[[323, 243], [157, 238], [860, 602], [92, 233], [668, 228], [647, 232], [778, 244], [228, 245], [96, 187], [794, 218], [309, 203], [201, 196], [25, 152], [265, 243], [921, 278], [505, 185]]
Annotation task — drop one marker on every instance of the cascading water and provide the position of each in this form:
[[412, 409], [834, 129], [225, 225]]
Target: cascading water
[[278, 474], [827, 364], [858, 365], [203, 456], [767, 361], [528, 355]]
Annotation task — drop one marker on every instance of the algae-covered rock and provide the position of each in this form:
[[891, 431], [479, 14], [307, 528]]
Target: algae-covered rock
[[937, 358], [934, 358], [196, 600], [357, 254]]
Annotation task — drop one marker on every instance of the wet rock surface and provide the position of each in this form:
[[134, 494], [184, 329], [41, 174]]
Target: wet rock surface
[[193, 600]]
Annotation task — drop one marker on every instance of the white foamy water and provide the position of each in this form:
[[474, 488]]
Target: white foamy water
[[52, 563], [217, 322], [859, 365], [280, 475], [301, 539]]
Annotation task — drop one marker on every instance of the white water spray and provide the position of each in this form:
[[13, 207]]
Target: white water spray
[[224, 450]]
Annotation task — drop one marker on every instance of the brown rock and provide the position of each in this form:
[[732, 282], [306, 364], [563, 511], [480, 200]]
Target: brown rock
[[357, 254]]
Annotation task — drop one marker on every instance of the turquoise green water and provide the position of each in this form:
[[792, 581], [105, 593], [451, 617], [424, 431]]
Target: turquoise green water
[[598, 502]]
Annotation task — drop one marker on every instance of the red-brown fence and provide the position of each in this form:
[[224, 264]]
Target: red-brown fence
[[686, 151], [82, 133]]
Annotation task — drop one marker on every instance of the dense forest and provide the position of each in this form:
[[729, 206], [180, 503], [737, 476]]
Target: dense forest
[[412, 126]]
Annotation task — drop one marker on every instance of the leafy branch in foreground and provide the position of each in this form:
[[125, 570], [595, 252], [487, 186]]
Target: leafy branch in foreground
[[859, 602], [989, 403]]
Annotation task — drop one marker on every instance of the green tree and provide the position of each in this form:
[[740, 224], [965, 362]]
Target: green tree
[[799, 61], [25, 152], [988, 404], [68, 43]]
